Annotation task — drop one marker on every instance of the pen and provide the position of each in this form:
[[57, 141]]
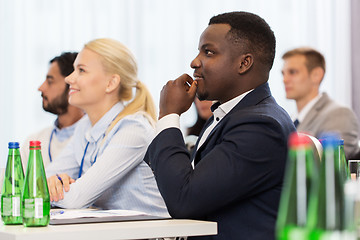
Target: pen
[[60, 179], [56, 212], [188, 83]]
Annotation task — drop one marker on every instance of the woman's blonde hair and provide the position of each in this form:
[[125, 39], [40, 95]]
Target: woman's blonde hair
[[117, 59]]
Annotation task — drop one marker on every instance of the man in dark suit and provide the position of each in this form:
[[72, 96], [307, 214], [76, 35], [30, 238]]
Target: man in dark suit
[[303, 72], [235, 176]]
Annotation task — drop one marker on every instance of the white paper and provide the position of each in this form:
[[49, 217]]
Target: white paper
[[90, 213]]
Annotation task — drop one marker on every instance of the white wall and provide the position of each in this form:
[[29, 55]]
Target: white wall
[[163, 35]]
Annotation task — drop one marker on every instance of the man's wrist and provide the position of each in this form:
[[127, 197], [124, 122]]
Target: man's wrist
[[168, 121]]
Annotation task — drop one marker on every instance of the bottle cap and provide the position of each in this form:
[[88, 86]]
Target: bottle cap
[[341, 141], [35, 143], [330, 140], [14, 145], [296, 139]]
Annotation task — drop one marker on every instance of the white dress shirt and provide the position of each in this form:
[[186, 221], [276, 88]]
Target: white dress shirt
[[302, 114], [114, 174], [173, 119]]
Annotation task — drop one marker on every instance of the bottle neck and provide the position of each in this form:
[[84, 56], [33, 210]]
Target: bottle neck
[[35, 148], [13, 150]]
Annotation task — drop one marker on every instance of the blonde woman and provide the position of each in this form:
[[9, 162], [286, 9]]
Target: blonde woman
[[103, 164]]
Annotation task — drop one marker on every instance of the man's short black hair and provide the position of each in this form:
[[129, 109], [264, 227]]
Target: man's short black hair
[[65, 62], [251, 32]]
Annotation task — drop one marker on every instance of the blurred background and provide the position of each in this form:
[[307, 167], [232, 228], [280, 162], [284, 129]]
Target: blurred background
[[163, 35]]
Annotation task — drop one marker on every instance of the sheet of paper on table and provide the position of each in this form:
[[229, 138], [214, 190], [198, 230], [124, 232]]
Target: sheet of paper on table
[[71, 216]]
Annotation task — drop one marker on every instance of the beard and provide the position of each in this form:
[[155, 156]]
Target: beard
[[201, 92], [202, 95], [59, 105]]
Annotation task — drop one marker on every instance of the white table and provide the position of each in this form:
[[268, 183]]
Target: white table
[[149, 229]]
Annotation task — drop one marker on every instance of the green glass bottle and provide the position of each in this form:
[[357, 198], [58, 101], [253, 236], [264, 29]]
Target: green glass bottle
[[350, 199], [12, 187], [326, 206], [36, 198], [344, 165], [301, 171]]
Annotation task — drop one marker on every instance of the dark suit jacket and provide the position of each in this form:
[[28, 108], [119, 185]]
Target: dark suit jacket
[[328, 116], [239, 169]]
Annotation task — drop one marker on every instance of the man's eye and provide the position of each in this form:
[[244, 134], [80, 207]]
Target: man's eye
[[209, 52], [81, 70]]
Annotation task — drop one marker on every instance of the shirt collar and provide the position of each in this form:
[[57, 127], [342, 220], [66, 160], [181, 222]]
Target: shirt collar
[[229, 105], [65, 132], [302, 114], [226, 107], [99, 129]]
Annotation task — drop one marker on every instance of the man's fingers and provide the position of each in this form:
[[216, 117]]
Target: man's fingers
[[185, 80], [192, 89]]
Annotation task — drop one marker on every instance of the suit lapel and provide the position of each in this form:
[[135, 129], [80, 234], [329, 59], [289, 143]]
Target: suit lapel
[[309, 118], [207, 124], [253, 98]]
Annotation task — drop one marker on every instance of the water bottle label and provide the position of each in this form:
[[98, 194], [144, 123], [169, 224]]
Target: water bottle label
[[29, 208], [348, 235], [331, 235], [39, 208], [16, 206], [11, 206], [33, 208], [6, 208], [338, 235]]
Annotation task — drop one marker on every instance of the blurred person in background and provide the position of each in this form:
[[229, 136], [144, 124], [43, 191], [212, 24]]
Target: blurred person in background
[[55, 94], [303, 72]]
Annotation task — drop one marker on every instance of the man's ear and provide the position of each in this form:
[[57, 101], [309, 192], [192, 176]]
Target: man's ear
[[113, 83], [317, 74], [246, 61]]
